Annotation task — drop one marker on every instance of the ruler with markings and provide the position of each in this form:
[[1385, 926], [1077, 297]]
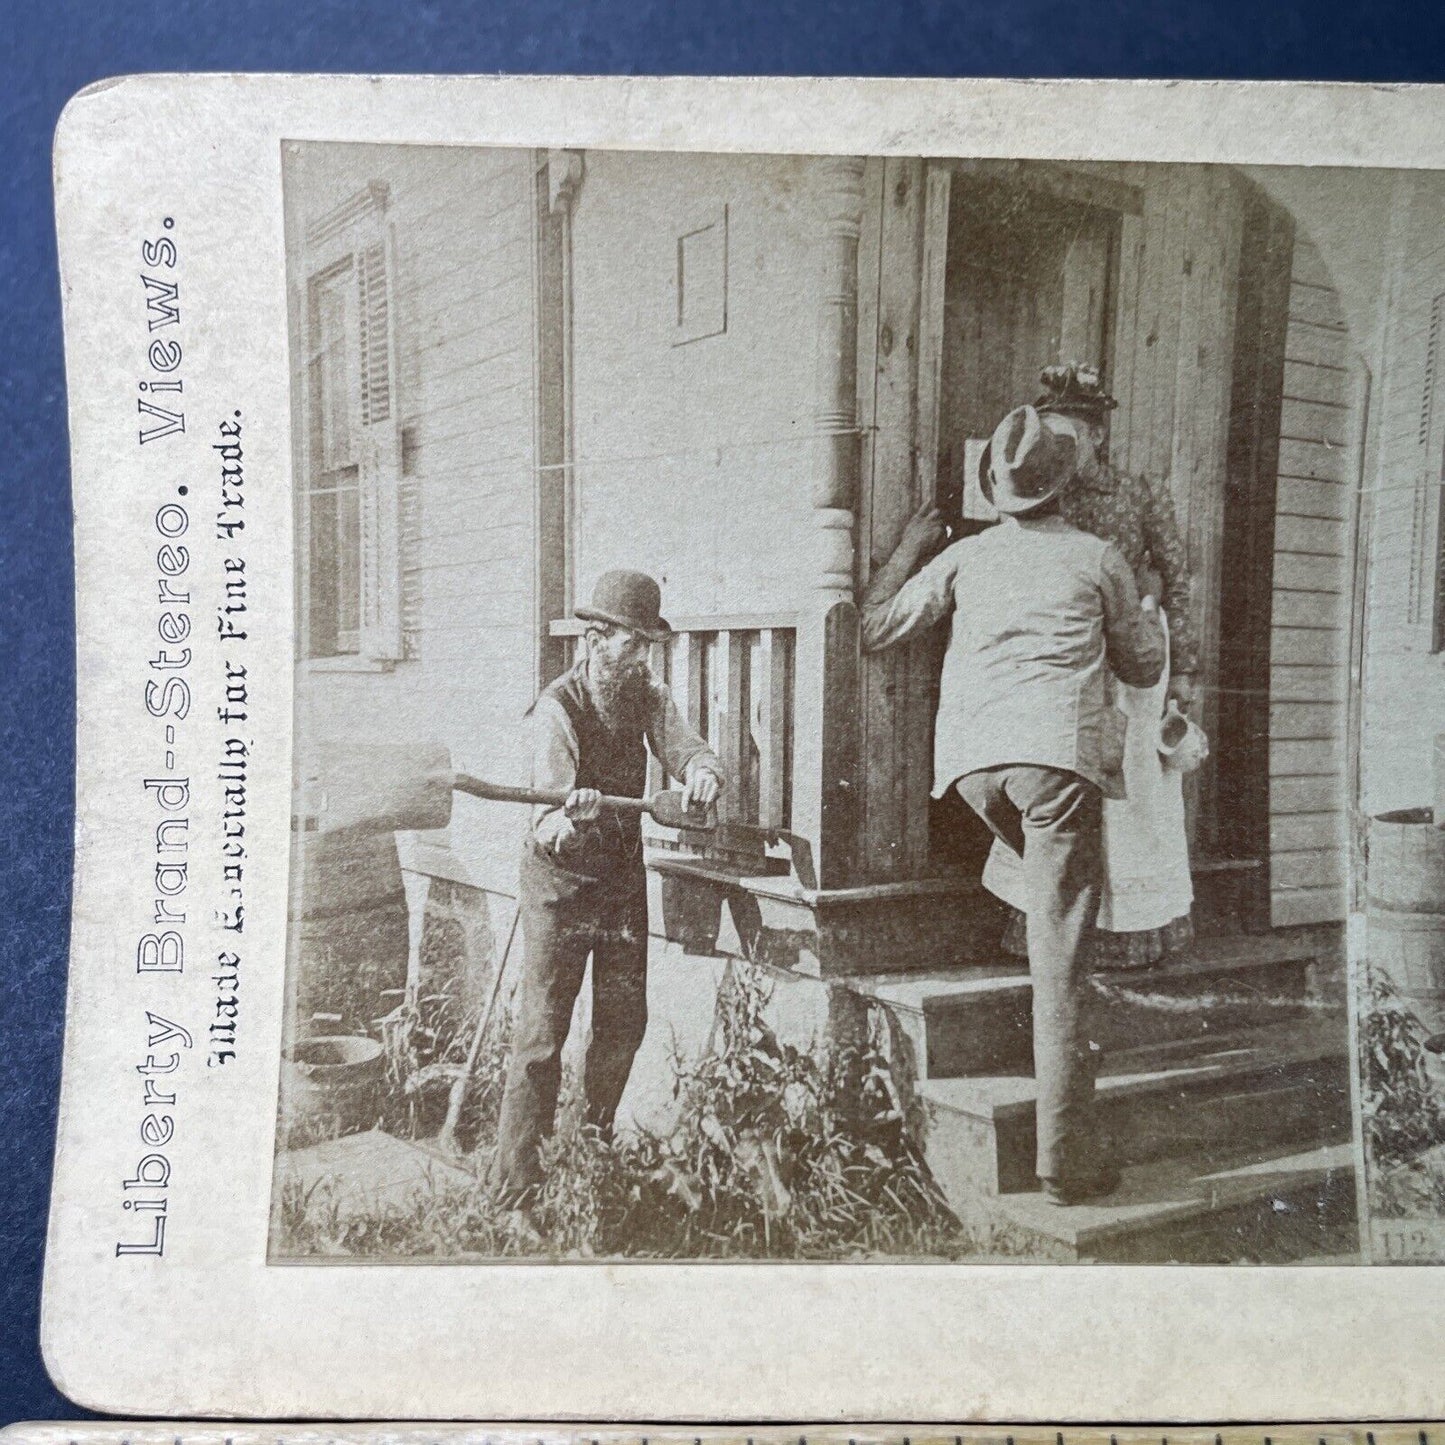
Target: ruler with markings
[[164, 1433]]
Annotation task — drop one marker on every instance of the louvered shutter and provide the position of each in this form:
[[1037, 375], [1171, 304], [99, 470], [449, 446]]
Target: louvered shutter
[[1427, 564], [379, 461], [1422, 301], [352, 391], [1427, 479]]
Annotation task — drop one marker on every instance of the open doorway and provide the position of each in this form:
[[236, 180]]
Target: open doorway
[[1030, 280], [1178, 287], [1031, 277]]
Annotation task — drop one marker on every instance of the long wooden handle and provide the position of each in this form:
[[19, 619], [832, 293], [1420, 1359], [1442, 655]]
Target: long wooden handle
[[502, 793], [447, 1139]]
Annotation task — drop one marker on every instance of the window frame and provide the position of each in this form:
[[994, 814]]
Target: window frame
[[356, 240]]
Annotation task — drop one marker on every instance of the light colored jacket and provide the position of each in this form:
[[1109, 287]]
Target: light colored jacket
[[1040, 613]]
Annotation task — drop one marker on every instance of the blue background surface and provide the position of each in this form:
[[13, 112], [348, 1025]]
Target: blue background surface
[[48, 50]]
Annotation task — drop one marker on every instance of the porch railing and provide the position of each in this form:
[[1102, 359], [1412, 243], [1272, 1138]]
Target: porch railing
[[733, 679]]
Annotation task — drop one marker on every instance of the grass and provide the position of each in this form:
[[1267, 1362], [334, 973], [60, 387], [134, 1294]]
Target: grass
[[777, 1152]]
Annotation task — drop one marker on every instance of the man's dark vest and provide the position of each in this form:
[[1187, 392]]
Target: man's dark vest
[[612, 761]]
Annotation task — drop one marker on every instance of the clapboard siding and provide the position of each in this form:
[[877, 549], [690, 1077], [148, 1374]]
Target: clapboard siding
[[1294, 608], [1304, 381], [1299, 907], [1311, 620], [1308, 646], [1306, 757], [1300, 832], [1297, 498], [1295, 720], [1314, 421], [461, 221], [1312, 870], [1309, 536], [1294, 682], [1303, 574], [1404, 680], [1310, 458], [1290, 795], [1317, 346], [695, 461]]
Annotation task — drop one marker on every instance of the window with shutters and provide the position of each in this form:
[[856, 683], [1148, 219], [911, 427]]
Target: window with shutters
[[1427, 582], [1437, 626], [351, 488], [1425, 601]]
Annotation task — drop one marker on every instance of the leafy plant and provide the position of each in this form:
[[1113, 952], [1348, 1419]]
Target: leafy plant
[[776, 1151], [425, 1044], [1402, 1112]]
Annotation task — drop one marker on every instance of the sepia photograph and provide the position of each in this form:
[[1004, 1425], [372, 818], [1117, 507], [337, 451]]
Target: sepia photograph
[[718, 713], [836, 700]]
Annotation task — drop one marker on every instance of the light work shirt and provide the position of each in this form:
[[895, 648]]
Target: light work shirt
[[1040, 612]]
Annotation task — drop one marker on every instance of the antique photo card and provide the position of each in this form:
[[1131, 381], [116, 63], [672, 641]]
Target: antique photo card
[[722, 723]]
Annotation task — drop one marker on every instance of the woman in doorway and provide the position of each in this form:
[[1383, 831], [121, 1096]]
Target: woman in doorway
[[1144, 913]]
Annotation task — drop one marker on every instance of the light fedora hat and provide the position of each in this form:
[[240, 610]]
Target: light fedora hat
[[1028, 460], [628, 599]]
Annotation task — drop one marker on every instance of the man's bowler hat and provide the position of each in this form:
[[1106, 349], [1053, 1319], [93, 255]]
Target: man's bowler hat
[[1028, 460], [631, 600]]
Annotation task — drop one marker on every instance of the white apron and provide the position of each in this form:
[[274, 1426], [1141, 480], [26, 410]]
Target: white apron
[[1146, 881]]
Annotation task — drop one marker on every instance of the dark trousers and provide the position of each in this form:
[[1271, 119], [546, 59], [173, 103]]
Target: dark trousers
[[1054, 821], [566, 918]]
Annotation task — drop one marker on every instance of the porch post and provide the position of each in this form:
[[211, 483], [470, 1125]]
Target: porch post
[[564, 180], [825, 785], [557, 177], [835, 486]]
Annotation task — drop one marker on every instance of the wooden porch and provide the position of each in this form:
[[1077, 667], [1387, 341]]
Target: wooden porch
[[1225, 1073], [943, 287]]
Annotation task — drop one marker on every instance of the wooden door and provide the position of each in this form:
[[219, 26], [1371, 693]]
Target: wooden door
[[1028, 282]]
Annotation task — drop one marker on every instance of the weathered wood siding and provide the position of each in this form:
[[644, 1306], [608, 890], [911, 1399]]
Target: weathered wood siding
[[899, 687], [462, 222], [1173, 373], [1404, 684], [1310, 636], [695, 454]]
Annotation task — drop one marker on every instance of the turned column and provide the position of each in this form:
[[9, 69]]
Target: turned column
[[825, 784], [835, 416], [557, 177]]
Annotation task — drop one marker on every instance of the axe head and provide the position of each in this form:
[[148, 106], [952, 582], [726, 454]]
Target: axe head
[[667, 809]]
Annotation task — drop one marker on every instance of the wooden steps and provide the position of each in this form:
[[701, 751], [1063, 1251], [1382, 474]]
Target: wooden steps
[[1223, 1093], [1271, 1087], [1290, 1208], [969, 1021]]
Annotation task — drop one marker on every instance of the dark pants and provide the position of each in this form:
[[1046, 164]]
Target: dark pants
[[1054, 821], [566, 917]]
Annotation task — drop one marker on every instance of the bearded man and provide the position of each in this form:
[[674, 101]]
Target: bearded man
[[582, 887]]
